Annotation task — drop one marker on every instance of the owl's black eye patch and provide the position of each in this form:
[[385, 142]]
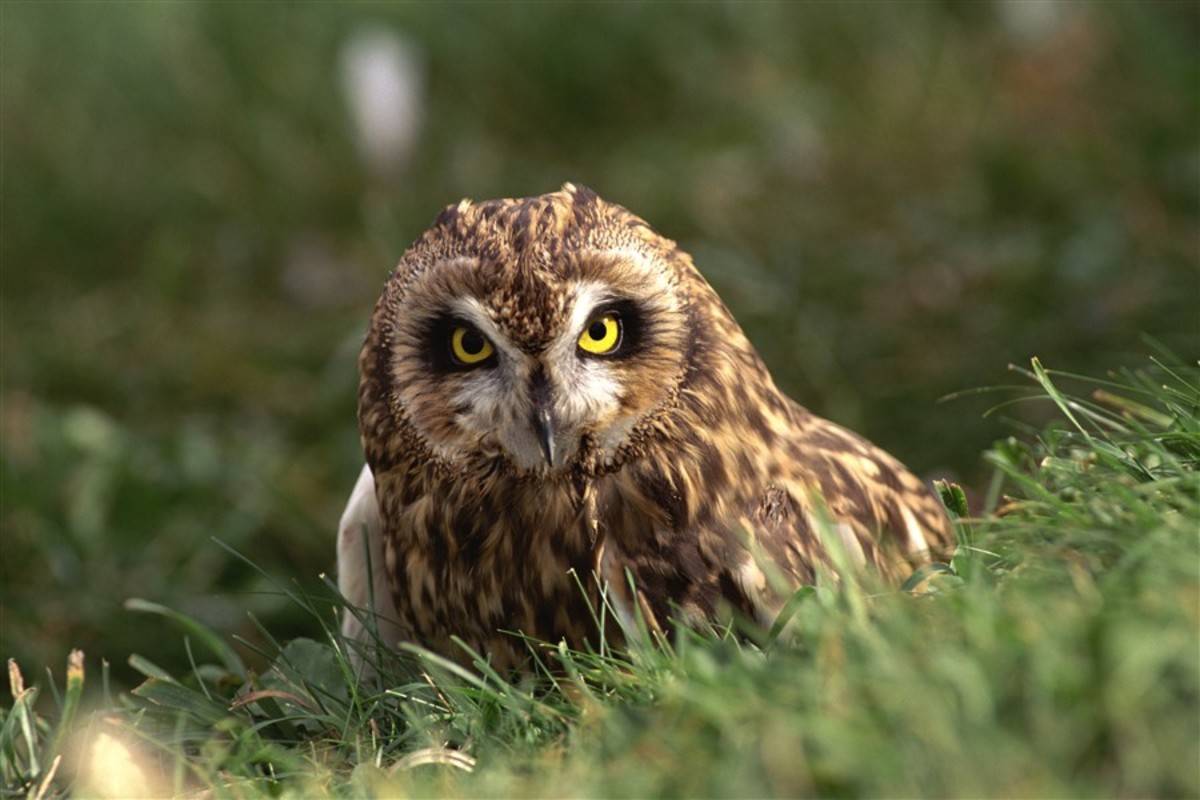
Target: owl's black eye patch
[[454, 345], [632, 329]]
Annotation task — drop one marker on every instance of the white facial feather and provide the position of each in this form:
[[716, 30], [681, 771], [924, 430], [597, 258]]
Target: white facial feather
[[587, 389]]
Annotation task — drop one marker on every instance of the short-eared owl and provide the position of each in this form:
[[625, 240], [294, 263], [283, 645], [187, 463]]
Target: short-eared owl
[[553, 396]]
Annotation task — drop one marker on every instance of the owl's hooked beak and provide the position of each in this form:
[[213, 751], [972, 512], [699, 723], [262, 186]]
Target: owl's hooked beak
[[542, 419], [543, 428]]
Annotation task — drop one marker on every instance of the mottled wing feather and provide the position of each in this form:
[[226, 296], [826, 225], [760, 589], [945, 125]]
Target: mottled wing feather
[[897, 521], [843, 488], [839, 487]]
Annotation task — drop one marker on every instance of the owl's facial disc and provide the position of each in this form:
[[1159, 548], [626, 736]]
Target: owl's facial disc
[[535, 408], [542, 375]]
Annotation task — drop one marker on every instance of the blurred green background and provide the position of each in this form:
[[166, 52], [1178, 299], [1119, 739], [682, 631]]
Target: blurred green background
[[201, 203]]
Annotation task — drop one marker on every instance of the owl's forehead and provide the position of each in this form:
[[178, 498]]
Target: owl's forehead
[[530, 303], [528, 264]]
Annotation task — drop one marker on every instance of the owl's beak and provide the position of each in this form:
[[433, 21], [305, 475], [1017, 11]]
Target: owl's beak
[[542, 419], [543, 428]]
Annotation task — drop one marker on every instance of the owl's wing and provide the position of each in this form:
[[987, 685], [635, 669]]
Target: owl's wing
[[842, 492], [832, 501], [361, 566]]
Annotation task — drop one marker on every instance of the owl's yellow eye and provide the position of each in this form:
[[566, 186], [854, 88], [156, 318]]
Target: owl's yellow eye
[[469, 346], [601, 336]]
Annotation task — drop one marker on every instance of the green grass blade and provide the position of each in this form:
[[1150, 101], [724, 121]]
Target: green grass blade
[[202, 633], [74, 691]]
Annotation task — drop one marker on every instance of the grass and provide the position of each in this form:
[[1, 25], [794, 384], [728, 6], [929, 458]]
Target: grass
[[1056, 655]]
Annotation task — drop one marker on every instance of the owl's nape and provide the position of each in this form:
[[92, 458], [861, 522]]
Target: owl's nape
[[550, 389]]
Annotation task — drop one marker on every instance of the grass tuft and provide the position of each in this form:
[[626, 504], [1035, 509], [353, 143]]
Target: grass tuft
[[1055, 655]]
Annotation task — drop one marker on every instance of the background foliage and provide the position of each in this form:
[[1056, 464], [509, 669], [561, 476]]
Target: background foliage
[[895, 199]]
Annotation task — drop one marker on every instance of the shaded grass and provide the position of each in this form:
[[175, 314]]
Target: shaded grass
[[1056, 655]]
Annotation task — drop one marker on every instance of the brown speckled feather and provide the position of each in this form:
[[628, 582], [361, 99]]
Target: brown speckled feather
[[686, 468]]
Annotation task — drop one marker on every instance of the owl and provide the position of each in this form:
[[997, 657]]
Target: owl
[[557, 411]]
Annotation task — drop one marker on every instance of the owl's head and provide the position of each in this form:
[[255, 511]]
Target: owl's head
[[544, 333]]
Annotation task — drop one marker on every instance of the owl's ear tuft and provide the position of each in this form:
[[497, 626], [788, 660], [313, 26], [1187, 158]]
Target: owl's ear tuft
[[450, 214], [581, 195]]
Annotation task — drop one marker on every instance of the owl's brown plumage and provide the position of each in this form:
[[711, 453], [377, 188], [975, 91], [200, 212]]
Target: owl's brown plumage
[[671, 456]]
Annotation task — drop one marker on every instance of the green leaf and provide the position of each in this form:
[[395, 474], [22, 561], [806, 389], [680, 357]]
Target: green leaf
[[202, 633], [953, 498], [148, 668], [176, 697], [310, 663]]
